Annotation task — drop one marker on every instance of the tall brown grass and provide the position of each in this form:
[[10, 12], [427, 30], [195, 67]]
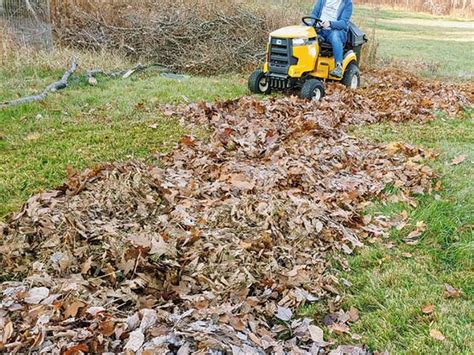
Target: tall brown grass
[[369, 55], [7, 44], [437, 7]]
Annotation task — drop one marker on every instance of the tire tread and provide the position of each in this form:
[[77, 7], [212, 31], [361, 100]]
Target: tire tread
[[351, 70], [307, 91]]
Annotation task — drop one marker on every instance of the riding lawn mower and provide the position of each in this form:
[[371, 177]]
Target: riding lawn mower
[[297, 58]]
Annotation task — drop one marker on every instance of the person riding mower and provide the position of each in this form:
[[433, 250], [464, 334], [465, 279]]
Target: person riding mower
[[299, 57], [335, 16]]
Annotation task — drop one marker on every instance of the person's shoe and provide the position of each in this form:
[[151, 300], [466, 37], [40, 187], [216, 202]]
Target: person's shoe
[[337, 72]]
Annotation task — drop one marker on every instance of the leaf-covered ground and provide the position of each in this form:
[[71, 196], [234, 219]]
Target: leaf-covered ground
[[220, 244]]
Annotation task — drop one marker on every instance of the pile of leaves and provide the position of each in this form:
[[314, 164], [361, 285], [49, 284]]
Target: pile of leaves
[[217, 246]]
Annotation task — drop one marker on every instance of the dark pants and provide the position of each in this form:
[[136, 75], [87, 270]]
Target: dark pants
[[338, 40]]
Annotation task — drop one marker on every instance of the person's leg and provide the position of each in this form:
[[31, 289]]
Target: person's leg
[[335, 38]]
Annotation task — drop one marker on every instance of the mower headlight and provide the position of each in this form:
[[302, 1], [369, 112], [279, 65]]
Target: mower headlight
[[299, 41]]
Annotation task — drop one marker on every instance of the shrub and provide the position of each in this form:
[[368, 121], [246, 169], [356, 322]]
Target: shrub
[[200, 36]]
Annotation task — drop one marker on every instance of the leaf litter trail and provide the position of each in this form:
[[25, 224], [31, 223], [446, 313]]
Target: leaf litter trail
[[214, 249]]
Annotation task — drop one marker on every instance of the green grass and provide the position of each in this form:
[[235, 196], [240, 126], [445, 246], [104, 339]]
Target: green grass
[[83, 126], [390, 286], [438, 46], [387, 13]]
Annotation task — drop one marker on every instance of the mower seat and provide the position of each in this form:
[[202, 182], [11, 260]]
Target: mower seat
[[355, 40]]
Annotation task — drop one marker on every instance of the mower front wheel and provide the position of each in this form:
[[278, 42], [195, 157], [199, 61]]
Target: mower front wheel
[[313, 89], [351, 77], [259, 83]]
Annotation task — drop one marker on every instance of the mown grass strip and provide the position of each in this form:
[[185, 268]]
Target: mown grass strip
[[392, 285], [85, 125]]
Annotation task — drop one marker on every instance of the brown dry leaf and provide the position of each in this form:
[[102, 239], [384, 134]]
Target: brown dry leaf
[[394, 147], [458, 160], [73, 309], [188, 141], [412, 238], [39, 339], [451, 292], [92, 81], [317, 334], [284, 314], [135, 341], [237, 323], [436, 334], [339, 328], [241, 182], [107, 328], [77, 350], [33, 136], [428, 309], [353, 314], [7, 332], [36, 295], [86, 266]]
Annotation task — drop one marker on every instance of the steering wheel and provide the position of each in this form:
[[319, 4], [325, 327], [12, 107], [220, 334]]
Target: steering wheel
[[315, 22]]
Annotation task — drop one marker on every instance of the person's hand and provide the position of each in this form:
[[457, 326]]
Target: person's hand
[[326, 25]]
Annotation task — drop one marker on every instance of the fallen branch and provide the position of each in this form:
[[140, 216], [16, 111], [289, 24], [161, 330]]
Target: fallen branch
[[125, 74], [90, 77], [56, 86]]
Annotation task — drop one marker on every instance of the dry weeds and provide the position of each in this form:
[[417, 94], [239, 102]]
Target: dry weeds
[[194, 36]]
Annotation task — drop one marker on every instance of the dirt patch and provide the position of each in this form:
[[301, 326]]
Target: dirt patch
[[217, 246]]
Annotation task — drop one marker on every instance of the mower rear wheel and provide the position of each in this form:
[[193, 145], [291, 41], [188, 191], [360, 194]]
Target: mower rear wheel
[[259, 83], [313, 89], [351, 77]]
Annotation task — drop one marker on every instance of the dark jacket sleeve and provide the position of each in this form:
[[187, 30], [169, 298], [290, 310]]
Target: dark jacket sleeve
[[343, 22]]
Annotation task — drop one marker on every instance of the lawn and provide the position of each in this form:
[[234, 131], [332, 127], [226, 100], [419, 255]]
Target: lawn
[[117, 120], [430, 45], [392, 285], [85, 125]]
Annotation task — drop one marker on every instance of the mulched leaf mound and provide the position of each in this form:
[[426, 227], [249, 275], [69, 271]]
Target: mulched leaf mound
[[214, 249]]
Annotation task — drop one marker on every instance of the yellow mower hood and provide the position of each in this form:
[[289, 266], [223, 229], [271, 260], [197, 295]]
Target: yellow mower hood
[[294, 32]]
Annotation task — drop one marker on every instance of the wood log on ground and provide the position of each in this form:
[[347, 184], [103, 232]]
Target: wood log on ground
[[90, 77], [56, 86]]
